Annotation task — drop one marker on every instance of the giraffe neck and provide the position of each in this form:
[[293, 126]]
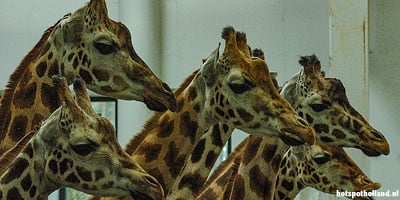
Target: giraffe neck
[[219, 185], [168, 139], [30, 97], [259, 158], [289, 181], [25, 177], [258, 169], [200, 162]]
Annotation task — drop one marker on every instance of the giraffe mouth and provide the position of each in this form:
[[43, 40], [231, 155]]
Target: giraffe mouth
[[155, 105], [291, 138], [163, 101], [140, 195]]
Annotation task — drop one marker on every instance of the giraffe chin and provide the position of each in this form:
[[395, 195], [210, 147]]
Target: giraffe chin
[[290, 140], [371, 152]]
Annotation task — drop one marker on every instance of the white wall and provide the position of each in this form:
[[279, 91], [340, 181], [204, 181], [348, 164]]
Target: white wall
[[284, 29], [142, 17], [384, 92]]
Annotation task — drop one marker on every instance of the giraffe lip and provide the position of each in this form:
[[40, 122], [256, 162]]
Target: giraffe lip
[[290, 138]]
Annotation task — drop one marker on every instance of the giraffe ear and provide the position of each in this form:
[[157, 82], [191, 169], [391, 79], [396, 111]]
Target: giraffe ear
[[259, 53], [289, 88], [209, 70], [274, 80]]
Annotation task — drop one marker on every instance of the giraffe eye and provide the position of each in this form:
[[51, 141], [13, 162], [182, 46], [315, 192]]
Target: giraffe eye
[[239, 88], [322, 159], [105, 48], [83, 149]]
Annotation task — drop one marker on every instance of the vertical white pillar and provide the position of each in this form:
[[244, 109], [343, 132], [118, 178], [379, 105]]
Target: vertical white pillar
[[348, 61], [348, 39]]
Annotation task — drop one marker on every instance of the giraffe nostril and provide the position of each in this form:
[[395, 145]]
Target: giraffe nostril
[[377, 136], [364, 180], [166, 87], [151, 180]]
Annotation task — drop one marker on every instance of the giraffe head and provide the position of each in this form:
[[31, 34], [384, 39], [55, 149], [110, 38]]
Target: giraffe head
[[239, 92], [324, 104], [99, 50], [328, 169], [82, 152]]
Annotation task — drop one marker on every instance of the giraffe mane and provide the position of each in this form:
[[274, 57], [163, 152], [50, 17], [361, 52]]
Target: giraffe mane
[[230, 179], [16, 76], [9, 156], [135, 141], [234, 157]]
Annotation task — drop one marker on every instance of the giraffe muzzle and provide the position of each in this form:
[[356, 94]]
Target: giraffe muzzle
[[292, 137], [374, 150], [366, 184], [163, 101]]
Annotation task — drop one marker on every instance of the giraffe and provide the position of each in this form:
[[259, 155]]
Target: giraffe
[[325, 167], [225, 89], [75, 148], [338, 121], [198, 167], [86, 44]]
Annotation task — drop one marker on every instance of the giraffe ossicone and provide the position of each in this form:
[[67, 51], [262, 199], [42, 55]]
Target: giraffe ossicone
[[75, 148]]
